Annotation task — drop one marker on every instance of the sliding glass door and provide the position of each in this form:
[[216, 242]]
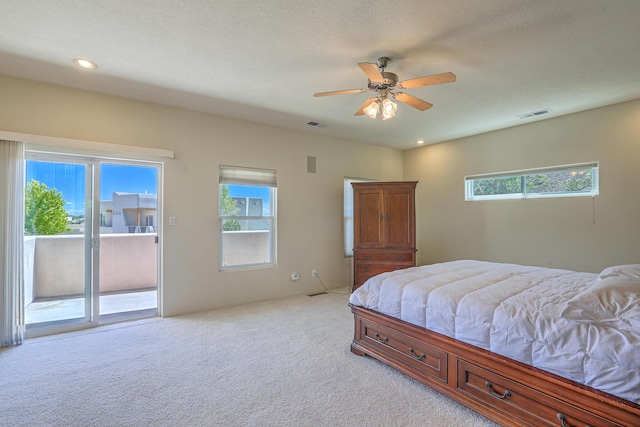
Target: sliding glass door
[[128, 240], [58, 242], [91, 241]]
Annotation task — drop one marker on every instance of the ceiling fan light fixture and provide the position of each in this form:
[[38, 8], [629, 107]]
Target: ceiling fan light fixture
[[388, 115], [371, 110], [385, 84], [389, 109]]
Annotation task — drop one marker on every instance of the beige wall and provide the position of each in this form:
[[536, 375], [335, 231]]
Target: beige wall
[[309, 205], [549, 232], [578, 233]]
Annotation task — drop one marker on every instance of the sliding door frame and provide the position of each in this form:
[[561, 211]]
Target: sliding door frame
[[92, 224]]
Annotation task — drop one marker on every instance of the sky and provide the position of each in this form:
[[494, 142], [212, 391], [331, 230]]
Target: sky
[[69, 179]]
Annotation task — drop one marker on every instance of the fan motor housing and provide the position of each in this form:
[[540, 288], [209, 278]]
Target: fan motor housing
[[389, 81]]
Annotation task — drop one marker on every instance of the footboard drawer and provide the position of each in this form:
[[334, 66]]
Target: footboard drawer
[[519, 400], [423, 357]]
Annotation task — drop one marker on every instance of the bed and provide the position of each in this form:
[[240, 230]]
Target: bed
[[521, 345]]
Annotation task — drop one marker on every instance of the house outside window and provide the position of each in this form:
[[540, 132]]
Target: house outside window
[[247, 217]]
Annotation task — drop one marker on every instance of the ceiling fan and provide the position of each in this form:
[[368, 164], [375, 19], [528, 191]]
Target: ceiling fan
[[386, 85]]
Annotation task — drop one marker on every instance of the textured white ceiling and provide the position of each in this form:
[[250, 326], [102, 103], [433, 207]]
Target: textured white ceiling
[[263, 60]]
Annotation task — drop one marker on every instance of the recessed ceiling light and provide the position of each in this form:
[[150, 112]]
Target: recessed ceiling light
[[85, 63], [420, 142]]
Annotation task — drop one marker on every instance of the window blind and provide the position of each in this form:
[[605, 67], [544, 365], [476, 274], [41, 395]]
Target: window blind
[[247, 176]]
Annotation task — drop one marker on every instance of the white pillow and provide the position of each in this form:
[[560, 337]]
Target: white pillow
[[611, 301], [631, 271]]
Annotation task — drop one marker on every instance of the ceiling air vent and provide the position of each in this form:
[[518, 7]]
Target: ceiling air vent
[[318, 125], [534, 114]]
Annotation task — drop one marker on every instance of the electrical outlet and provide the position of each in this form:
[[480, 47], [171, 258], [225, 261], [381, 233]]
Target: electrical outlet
[[314, 273], [294, 276]]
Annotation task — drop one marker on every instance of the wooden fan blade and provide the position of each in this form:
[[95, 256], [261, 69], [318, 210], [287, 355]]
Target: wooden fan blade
[[340, 92], [372, 71], [366, 103], [435, 79], [413, 101]]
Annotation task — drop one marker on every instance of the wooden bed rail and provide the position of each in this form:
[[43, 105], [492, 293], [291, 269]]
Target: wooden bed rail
[[504, 390]]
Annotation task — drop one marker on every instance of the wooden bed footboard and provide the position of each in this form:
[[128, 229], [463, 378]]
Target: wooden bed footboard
[[502, 389]]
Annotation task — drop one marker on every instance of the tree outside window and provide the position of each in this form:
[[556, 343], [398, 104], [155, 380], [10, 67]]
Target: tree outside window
[[44, 210], [228, 207], [576, 180]]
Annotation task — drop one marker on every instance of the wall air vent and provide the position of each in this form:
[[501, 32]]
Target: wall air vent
[[318, 125], [534, 114]]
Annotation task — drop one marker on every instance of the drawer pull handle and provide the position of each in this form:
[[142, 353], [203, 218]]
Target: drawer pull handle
[[366, 256], [563, 420], [367, 269], [401, 257], [415, 355], [506, 393], [382, 340]]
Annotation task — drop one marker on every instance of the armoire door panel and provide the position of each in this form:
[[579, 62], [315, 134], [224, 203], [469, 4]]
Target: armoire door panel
[[369, 231], [398, 227]]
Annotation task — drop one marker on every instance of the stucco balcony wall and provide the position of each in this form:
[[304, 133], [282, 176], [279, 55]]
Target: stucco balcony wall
[[54, 265], [246, 247]]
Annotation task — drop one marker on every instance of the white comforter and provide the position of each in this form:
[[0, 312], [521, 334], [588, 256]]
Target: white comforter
[[515, 311]]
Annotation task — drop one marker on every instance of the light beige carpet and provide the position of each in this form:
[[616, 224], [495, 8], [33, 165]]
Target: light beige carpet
[[278, 363]]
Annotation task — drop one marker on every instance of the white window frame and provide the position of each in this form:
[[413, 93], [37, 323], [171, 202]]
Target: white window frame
[[348, 213], [469, 181], [238, 175]]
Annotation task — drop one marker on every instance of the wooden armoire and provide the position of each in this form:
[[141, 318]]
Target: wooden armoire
[[384, 234]]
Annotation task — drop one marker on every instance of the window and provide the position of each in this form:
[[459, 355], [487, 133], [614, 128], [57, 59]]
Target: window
[[559, 181], [348, 214], [247, 217]]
